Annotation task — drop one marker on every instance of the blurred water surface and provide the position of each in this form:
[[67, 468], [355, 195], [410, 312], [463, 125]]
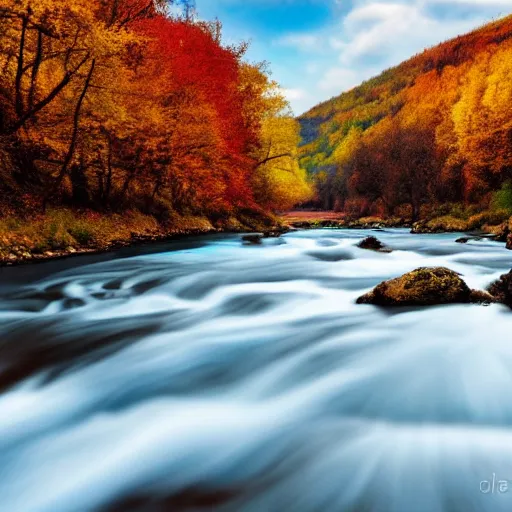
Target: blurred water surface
[[214, 376]]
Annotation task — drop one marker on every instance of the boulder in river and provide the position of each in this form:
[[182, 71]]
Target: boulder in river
[[502, 233], [477, 238], [423, 287], [273, 234], [502, 289], [481, 297], [253, 239], [373, 244]]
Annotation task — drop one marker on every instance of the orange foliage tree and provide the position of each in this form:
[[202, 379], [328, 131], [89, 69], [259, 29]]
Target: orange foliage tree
[[115, 103]]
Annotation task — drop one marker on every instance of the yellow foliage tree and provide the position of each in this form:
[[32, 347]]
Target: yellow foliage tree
[[279, 182]]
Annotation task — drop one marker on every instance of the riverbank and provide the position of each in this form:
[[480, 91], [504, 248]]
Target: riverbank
[[62, 233], [318, 220], [495, 224]]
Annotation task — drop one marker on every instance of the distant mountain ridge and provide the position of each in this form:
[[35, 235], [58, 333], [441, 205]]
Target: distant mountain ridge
[[437, 129]]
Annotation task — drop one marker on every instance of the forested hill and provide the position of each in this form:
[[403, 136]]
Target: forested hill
[[436, 130]]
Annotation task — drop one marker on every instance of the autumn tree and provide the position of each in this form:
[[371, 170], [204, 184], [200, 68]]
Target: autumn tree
[[137, 103], [279, 182]]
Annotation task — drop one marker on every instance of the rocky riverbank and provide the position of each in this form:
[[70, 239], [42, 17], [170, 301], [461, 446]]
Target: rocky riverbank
[[491, 225], [22, 254], [64, 233], [341, 223]]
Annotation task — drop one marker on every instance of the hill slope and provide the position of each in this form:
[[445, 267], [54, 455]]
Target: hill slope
[[435, 130]]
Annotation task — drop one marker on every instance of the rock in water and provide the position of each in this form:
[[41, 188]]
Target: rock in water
[[421, 287], [272, 234], [253, 239], [502, 289], [502, 233], [482, 298], [477, 238], [373, 244]]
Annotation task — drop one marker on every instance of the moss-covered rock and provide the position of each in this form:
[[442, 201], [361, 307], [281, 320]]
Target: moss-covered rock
[[502, 289], [475, 238], [481, 297], [373, 244], [500, 232], [421, 287]]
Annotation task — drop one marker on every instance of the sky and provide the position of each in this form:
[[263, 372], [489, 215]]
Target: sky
[[319, 48]]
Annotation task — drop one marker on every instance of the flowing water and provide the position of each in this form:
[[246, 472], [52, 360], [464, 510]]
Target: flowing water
[[209, 375]]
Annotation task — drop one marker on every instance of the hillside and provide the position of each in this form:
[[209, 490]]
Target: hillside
[[430, 136]]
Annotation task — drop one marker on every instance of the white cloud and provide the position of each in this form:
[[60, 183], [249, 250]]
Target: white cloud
[[294, 94], [338, 79], [299, 99], [300, 41], [391, 32], [312, 68]]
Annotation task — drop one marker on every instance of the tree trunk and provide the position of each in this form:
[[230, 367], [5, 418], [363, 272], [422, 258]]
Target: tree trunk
[[35, 70], [130, 176], [74, 136], [100, 177], [416, 206], [108, 185], [126, 184], [19, 70], [80, 185]]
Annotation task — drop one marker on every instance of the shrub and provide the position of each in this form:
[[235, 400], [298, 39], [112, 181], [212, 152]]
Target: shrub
[[56, 236], [502, 199], [459, 211], [378, 208], [82, 234], [447, 223], [435, 210], [357, 207], [404, 211], [489, 217]]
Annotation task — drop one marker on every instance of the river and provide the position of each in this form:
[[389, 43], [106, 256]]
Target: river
[[209, 375]]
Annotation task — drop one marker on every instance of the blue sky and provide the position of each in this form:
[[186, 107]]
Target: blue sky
[[319, 48]]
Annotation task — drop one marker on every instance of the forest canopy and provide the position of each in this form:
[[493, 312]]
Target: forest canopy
[[114, 104]]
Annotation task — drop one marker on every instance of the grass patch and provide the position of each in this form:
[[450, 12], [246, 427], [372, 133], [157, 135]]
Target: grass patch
[[447, 223], [61, 229], [502, 199], [489, 218]]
